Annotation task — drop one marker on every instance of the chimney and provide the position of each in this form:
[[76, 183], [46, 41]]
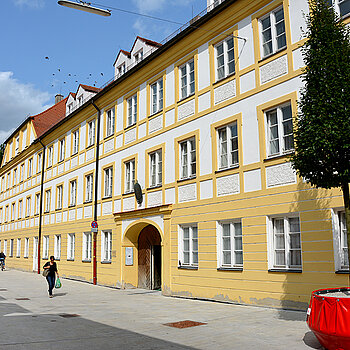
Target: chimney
[[58, 98]]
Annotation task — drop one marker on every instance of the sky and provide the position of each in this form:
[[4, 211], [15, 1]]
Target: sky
[[46, 49]]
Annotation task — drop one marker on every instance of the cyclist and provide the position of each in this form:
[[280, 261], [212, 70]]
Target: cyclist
[[2, 260]]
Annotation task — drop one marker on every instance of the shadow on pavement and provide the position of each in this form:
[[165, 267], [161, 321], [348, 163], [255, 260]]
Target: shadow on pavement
[[60, 294], [291, 315], [311, 341]]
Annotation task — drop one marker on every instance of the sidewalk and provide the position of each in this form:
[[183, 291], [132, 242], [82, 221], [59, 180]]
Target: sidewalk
[[84, 316]]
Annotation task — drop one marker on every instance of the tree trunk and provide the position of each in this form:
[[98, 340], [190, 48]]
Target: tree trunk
[[345, 189]]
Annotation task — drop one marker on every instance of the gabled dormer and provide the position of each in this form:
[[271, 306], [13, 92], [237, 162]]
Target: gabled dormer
[[121, 63], [83, 94], [70, 103]]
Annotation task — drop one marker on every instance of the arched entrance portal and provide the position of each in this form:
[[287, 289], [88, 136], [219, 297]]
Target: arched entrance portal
[[149, 258]]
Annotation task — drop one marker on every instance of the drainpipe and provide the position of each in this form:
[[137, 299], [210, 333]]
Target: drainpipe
[[41, 203], [94, 261]]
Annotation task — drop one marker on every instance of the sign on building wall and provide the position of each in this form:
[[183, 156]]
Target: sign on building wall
[[129, 256]]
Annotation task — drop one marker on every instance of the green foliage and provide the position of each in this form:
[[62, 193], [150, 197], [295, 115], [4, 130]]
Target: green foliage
[[322, 129], [2, 150]]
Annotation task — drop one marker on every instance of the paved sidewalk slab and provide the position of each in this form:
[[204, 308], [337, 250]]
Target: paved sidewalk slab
[[84, 316]]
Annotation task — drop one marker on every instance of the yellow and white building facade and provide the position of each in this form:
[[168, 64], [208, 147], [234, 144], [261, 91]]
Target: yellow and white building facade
[[203, 123]]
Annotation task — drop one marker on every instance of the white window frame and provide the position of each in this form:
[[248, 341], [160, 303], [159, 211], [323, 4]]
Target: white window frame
[[131, 110], [339, 4], [47, 201], [138, 56], [229, 231], [106, 246], [87, 246], [156, 168], [156, 92], [49, 156], [17, 145], [340, 243], [22, 173], [89, 187], [15, 177], [13, 211], [273, 33], [280, 139], [57, 247], [73, 192], [28, 206], [37, 203], [30, 164], [59, 196], [18, 253], [223, 64], [286, 250], [46, 245], [20, 209], [121, 69], [108, 178], [187, 79], [91, 133], [62, 149], [26, 247], [129, 176], [188, 253], [80, 100], [11, 247], [228, 146], [70, 246], [110, 122], [5, 247], [188, 158], [75, 136]]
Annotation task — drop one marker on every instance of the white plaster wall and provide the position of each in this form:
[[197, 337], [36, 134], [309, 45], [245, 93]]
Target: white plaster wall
[[170, 196], [298, 9], [204, 101], [170, 117], [203, 67], [245, 48], [252, 180], [247, 81], [142, 130], [206, 188], [143, 102], [298, 61], [119, 116], [82, 140], [170, 86]]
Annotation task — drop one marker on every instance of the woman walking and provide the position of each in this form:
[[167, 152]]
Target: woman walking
[[51, 277]]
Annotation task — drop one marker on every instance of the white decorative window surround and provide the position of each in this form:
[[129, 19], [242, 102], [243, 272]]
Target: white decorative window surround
[[62, 150], [89, 187], [274, 69], [187, 79], [46, 247], [340, 241], [154, 198], [187, 192], [106, 246], [59, 190], [57, 247], [284, 241], [75, 137], [132, 110], [227, 137], [49, 156], [225, 58], [227, 185], [47, 200], [87, 245], [157, 96], [155, 123], [18, 252], [129, 176], [130, 135], [91, 133], [281, 174], [186, 109], [225, 91], [156, 168], [188, 158], [188, 246], [70, 246], [110, 122], [73, 192], [108, 182], [26, 247]]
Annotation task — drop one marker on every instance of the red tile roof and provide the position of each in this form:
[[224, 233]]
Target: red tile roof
[[45, 120], [126, 53], [90, 88], [149, 42]]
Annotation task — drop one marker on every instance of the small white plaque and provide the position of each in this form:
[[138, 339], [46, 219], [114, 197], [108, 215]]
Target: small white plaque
[[129, 256]]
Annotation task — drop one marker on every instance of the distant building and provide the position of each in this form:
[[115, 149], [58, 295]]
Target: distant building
[[203, 123]]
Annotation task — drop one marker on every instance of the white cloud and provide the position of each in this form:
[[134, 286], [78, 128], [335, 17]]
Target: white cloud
[[29, 3], [17, 101], [148, 6]]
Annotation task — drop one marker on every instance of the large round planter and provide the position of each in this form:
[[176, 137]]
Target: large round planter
[[329, 317]]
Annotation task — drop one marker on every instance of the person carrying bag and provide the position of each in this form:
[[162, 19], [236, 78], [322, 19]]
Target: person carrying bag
[[50, 269]]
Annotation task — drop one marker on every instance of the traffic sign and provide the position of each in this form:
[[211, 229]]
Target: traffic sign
[[94, 229], [94, 224]]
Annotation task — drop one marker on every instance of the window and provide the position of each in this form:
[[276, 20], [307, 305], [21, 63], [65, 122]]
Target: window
[[187, 79], [80, 100], [188, 158], [75, 141], [71, 246], [230, 248], [5, 247], [59, 196], [6, 213], [225, 58], [46, 245], [188, 246], [20, 209], [273, 32], [18, 254], [155, 159], [40, 155], [57, 247], [106, 245], [8, 181], [91, 133], [26, 247], [129, 176], [47, 200], [157, 96], [341, 6], [121, 69], [70, 108], [22, 173], [110, 122], [279, 130], [37, 203], [89, 187], [17, 145], [132, 110], [228, 146], [28, 206], [62, 150], [108, 174], [73, 192], [11, 248], [87, 239], [138, 56], [341, 244], [13, 211], [14, 177], [50, 156], [285, 243], [30, 165]]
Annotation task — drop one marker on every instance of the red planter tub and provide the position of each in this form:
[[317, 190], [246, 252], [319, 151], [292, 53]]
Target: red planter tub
[[329, 317]]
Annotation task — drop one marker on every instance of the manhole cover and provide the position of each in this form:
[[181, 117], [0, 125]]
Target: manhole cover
[[68, 315], [184, 324], [22, 299], [3, 290]]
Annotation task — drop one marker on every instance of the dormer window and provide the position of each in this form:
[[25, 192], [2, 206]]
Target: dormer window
[[139, 56], [70, 108], [80, 100], [17, 144], [121, 69]]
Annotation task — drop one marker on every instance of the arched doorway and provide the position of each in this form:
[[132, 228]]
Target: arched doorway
[[149, 258]]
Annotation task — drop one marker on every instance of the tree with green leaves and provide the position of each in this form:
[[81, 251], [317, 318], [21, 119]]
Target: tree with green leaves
[[2, 150], [322, 129]]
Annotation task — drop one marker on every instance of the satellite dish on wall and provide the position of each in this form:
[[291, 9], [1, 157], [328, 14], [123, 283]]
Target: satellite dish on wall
[[138, 193]]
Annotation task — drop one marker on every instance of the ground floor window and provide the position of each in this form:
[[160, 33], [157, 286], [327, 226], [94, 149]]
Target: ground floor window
[[70, 246], [57, 248], [188, 246], [106, 245], [87, 239], [11, 247], [18, 247], [340, 241], [26, 247], [46, 247]]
